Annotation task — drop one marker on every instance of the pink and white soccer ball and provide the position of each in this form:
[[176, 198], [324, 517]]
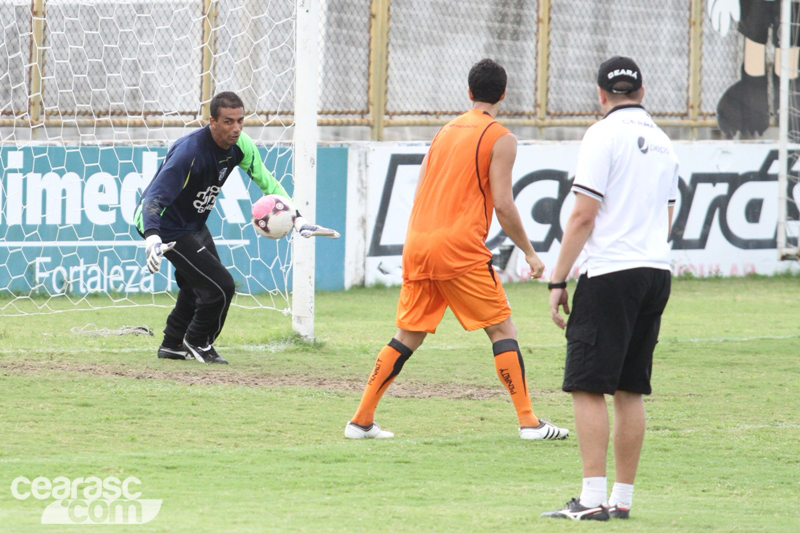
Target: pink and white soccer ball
[[273, 216]]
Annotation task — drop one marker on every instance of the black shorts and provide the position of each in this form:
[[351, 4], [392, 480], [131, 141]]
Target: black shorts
[[758, 16], [613, 329]]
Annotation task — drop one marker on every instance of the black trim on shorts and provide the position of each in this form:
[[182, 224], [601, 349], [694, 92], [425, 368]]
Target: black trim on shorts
[[491, 271]]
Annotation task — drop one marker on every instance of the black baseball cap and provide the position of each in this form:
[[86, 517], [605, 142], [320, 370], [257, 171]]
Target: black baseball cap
[[617, 69]]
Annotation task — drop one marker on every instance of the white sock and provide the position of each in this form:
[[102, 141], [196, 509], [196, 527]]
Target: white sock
[[594, 491], [621, 494]]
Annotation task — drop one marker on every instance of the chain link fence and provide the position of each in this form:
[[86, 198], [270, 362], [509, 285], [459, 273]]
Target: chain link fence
[[432, 45], [129, 62], [15, 25], [584, 34]]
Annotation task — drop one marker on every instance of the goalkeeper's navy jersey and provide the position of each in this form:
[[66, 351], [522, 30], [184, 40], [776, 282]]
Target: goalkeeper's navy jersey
[[183, 192]]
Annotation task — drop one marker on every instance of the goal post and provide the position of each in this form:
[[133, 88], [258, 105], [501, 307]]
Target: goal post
[[788, 135], [305, 161]]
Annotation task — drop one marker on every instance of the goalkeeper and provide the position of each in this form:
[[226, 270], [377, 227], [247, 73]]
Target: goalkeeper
[[172, 215], [464, 178]]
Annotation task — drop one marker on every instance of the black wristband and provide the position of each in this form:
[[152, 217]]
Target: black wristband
[[559, 285]]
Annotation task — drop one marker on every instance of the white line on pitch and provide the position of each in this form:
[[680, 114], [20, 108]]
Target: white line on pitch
[[272, 348], [281, 346], [113, 244], [735, 339], [664, 340]]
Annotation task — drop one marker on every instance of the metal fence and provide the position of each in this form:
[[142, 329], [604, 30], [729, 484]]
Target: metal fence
[[156, 63]]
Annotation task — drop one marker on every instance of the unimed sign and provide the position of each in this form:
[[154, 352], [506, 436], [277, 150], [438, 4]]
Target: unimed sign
[[66, 221]]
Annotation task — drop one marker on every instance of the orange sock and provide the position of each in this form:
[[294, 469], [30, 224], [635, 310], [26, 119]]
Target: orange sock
[[511, 371], [389, 364]]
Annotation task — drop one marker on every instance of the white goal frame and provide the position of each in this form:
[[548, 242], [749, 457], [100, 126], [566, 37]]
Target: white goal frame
[[304, 158], [785, 250]]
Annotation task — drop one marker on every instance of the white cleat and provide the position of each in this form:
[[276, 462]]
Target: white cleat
[[545, 431], [353, 431]]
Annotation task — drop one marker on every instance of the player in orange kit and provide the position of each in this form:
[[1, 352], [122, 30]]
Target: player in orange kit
[[464, 178]]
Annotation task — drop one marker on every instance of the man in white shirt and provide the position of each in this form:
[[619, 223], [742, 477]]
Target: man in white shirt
[[626, 185]]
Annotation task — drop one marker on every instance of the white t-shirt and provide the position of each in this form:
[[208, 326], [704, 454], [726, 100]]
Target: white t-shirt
[[629, 165]]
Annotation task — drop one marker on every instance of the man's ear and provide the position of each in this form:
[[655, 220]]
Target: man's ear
[[602, 96], [471, 98], [503, 97]]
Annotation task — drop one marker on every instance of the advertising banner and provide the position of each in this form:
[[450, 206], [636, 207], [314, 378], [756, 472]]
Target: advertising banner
[[725, 219], [66, 221]]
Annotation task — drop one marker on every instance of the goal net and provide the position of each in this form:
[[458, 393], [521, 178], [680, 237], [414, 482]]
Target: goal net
[[787, 63], [92, 94]]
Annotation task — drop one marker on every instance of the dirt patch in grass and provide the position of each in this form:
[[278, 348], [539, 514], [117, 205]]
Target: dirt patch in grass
[[206, 376]]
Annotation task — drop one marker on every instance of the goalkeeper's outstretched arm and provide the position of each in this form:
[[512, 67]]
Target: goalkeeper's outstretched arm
[[254, 167]]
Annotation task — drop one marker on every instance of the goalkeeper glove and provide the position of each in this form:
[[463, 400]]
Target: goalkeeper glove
[[307, 230], [154, 249]]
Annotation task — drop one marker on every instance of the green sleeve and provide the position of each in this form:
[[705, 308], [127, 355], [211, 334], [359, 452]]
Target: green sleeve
[[251, 163]]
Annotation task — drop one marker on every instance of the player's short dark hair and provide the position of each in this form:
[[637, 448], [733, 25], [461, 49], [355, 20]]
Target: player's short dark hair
[[227, 99], [487, 81]]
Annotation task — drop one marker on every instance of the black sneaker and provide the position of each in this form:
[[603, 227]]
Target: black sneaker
[[180, 353], [575, 511], [617, 511], [217, 357], [205, 354]]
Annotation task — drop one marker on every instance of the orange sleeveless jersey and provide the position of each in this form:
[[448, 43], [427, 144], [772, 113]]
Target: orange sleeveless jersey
[[453, 207]]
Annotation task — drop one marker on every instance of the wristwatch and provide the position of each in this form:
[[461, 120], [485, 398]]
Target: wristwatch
[[559, 285]]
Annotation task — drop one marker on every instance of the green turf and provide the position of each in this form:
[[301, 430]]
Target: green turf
[[258, 445]]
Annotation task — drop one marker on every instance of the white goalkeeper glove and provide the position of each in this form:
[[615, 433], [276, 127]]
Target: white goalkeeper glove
[[154, 250], [307, 230]]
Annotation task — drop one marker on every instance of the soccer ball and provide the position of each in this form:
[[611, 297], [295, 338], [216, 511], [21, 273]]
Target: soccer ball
[[273, 216]]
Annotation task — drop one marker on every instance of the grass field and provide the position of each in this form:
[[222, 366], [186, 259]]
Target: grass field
[[258, 445]]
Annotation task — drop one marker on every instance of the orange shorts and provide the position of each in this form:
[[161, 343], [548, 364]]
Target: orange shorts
[[477, 299]]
